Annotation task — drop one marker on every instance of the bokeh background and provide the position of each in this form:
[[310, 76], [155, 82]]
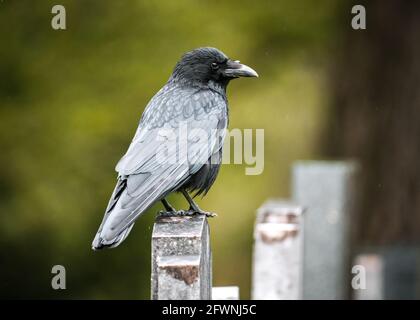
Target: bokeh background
[[70, 102]]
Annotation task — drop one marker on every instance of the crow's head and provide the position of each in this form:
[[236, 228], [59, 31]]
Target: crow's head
[[205, 64]]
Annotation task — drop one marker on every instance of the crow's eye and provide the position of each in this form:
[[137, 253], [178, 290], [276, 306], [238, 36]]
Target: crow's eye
[[214, 66]]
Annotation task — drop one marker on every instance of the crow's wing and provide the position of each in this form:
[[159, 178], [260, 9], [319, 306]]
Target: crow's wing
[[167, 116], [159, 158]]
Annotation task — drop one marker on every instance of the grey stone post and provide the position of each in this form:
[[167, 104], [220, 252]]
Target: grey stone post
[[326, 190], [225, 293], [373, 272], [277, 260], [181, 259]]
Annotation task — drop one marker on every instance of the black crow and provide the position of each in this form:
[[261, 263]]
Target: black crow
[[156, 163]]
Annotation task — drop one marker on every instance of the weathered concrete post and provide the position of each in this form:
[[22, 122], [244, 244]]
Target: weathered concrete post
[[373, 271], [326, 190], [391, 273], [225, 293], [181, 259], [277, 264]]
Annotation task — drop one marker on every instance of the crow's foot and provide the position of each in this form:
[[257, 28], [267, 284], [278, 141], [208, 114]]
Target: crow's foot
[[175, 213], [186, 213], [202, 212]]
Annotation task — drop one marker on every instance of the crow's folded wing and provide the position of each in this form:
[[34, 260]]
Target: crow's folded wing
[[178, 133]]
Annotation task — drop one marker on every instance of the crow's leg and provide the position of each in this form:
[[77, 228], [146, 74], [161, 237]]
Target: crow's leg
[[194, 208], [167, 205]]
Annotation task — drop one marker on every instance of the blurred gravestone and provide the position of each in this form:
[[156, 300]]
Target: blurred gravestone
[[325, 189], [373, 265], [225, 293], [392, 272], [401, 272], [277, 261]]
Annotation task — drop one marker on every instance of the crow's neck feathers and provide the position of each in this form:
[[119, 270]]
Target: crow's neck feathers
[[204, 85]]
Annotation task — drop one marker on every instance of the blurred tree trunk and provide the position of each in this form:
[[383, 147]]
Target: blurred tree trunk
[[375, 117]]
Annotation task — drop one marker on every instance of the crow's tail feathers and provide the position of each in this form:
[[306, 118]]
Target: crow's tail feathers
[[132, 196], [99, 243], [114, 210]]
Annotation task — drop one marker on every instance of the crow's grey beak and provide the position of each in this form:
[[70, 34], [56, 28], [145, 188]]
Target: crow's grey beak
[[235, 69]]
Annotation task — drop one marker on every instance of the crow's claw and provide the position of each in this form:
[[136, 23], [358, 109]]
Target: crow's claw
[[201, 212], [178, 213], [186, 213]]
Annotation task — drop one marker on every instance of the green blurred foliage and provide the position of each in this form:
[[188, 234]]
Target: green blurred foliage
[[70, 102]]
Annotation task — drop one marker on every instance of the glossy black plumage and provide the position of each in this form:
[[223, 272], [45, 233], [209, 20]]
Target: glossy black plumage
[[193, 98]]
